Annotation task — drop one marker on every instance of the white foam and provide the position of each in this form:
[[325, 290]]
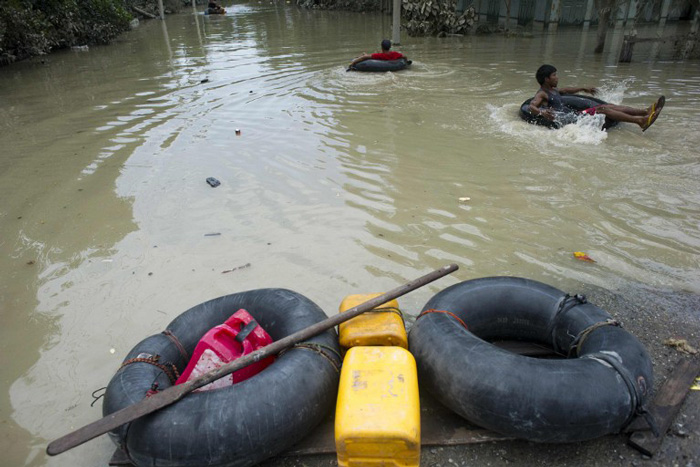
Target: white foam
[[586, 130], [613, 92]]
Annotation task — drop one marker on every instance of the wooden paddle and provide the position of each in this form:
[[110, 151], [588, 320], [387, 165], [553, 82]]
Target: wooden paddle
[[174, 393]]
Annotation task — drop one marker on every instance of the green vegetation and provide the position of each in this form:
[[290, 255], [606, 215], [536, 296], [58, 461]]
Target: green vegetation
[[35, 27], [419, 17], [346, 5], [436, 18]]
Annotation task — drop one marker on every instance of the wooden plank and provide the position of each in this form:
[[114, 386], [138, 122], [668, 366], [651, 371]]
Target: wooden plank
[[439, 427], [119, 458], [664, 408]]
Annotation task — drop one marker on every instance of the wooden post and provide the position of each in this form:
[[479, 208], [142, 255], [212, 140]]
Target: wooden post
[[627, 47], [554, 16], [663, 15], [692, 36], [604, 12], [505, 26], [588, 15], [631, 13], [396, 23], [161, 9]]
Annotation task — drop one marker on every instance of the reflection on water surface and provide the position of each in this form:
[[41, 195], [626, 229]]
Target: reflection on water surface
[[339, 183]]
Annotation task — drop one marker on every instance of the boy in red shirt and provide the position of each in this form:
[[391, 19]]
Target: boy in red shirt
[[385, 54]]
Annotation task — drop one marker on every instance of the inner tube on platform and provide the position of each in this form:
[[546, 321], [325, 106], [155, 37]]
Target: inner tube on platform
[[574, 102], [381, 65], [240, 425], [598, 390]]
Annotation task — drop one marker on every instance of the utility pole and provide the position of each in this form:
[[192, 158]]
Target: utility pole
[[396, 23]]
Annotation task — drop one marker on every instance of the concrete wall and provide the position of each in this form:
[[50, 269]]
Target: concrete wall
[[549, 14]]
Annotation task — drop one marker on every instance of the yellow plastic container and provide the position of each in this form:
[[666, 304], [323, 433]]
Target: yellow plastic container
[[372, 327], [377, 418]]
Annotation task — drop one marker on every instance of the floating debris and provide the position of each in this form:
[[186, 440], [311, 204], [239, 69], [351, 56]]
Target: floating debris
[[581, 256], [247, 265], [680, 345]]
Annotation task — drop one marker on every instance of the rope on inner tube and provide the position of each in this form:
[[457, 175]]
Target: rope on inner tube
[[168, 368], [578, 341], [638, 408], [389, 309], [183, 353], [319, 349], [565, 303], [97, 397], [432, 310]]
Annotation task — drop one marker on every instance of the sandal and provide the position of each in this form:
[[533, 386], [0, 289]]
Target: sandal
[[655, 111]]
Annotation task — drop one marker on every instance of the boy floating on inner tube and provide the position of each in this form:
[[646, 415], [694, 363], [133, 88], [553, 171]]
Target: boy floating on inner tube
[[385, 54], [215, 9], [547, 102]]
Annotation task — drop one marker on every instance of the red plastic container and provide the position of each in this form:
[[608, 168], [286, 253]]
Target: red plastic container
[[238, 336]]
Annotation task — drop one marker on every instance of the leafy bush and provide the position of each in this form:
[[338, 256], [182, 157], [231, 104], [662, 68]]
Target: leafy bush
[[35, 27], [436, 17], [348, 5]]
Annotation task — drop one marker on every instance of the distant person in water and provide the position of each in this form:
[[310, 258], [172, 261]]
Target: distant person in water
[[385, 54], [215, 9], [547, 102]]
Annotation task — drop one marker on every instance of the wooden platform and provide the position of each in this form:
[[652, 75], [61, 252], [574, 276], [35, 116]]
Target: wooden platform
[[442, 427], [664, 409], [439, 427]]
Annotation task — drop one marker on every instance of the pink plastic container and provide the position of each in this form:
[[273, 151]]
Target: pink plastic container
[[238, 336]]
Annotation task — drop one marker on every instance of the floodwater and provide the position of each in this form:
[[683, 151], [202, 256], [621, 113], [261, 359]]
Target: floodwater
[[338, 183]]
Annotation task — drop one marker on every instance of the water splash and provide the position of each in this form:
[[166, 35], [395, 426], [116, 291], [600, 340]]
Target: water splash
[[614, 91], [585, 130]]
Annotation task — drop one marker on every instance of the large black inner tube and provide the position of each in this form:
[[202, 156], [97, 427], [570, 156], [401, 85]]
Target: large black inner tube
[[596, 393], [243, 424], [574, 102], [381, 65]]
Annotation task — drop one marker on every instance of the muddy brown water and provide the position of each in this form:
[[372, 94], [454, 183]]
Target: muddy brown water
[[338, 183]]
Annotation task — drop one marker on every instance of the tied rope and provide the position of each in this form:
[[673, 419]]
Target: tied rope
[[387, 309], [96, 397], [636, 397], [181, 348], [578, 341], [168, 368], [432, 310], [565, 303], [319, 349]]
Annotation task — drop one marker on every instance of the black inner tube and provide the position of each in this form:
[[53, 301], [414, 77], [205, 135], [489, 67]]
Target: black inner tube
[[574, 102], [243, 424], [381, 65], [565, 400]]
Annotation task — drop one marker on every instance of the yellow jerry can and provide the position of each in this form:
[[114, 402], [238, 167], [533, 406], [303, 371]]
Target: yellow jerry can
[[377, 418], [382, 326]]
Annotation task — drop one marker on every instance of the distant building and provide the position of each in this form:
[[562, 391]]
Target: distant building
[[549, 14]]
